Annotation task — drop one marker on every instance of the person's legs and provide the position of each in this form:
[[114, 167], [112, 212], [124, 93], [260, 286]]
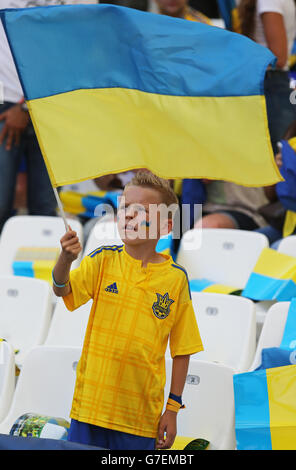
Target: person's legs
[[9, 163], [41, 199], [280, 111]]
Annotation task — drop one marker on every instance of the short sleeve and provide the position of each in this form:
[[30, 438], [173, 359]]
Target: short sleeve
[[184, 336], [83, 280], [275, 6]]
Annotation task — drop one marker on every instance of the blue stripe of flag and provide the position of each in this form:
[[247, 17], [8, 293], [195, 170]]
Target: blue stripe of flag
[[261, 287], [252, 420], [71, 47]]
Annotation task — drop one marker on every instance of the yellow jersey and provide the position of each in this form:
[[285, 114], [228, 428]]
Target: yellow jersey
[[121, 372]]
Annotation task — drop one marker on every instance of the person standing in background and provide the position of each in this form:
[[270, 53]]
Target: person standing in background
[[17, 136], [272, 23]]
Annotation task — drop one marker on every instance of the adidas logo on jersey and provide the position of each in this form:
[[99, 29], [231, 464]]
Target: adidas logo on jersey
[[112, 288]]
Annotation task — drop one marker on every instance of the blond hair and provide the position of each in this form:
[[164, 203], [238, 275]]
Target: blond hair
[[146, 179]]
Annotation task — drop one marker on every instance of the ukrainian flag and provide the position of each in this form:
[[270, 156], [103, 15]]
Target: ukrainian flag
[[265, 409], [86, 204], [272, 278], [111, 89], [35, 262]]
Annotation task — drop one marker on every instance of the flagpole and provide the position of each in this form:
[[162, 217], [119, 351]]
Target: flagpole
[[60, 206]]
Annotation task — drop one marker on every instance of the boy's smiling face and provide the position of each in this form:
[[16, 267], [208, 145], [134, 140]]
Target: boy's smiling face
[[138, 215]]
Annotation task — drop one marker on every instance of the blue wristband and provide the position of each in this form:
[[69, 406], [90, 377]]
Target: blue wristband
[[58, 285], [176, 398]]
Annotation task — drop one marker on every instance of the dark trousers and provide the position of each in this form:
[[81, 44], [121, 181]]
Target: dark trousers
[[280, 111]]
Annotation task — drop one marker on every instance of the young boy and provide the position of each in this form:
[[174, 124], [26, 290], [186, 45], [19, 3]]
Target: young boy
[[140, 299]]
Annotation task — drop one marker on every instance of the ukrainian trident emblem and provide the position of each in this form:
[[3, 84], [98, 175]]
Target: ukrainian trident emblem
[[161, 308]]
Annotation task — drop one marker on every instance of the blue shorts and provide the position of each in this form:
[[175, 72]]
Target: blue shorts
[[90, 434]]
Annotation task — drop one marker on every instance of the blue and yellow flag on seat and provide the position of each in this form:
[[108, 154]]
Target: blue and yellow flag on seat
[[272, 278], [111, 89], [265, 409], [285, 353], [35, 262], [207, 285]]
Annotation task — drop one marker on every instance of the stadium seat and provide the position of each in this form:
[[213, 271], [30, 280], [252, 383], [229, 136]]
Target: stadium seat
[[272, 330], [227, 325], [7, 377], [262, 308], [45, 385], [224, 256], [287, 246], [209, 404], [32, 231], [105, 232], [68, 328], [25, 312]]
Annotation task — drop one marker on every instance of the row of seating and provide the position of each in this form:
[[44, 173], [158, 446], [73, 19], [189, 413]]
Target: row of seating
[[229, 339], [227, 323], [46, 385], [227, 256]]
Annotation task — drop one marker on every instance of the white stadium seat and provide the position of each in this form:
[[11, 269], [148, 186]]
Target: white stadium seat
[[7, 377], [272, 330], [287, 246], [209, 404], [227, 325], [33, 231], [25, 312], [224, 256], [45, 385], [68, 328]]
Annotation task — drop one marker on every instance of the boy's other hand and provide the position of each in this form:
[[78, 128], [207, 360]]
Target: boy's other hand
[[71, 246], [15, 122], [168, 425]]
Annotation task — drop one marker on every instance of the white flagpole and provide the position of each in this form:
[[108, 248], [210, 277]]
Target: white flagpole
[[60, 206]]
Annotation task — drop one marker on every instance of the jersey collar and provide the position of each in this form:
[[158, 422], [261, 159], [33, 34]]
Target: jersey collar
[[167, 260]]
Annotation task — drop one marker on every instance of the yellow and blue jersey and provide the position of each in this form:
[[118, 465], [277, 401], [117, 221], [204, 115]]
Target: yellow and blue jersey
[[135, 311]]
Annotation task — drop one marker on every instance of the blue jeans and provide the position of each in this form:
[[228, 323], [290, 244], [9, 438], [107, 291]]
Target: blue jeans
[[40, 196], [281, 113]]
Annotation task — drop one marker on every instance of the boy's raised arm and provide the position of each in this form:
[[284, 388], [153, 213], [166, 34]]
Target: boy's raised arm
[[71, 248], [168, 421]]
